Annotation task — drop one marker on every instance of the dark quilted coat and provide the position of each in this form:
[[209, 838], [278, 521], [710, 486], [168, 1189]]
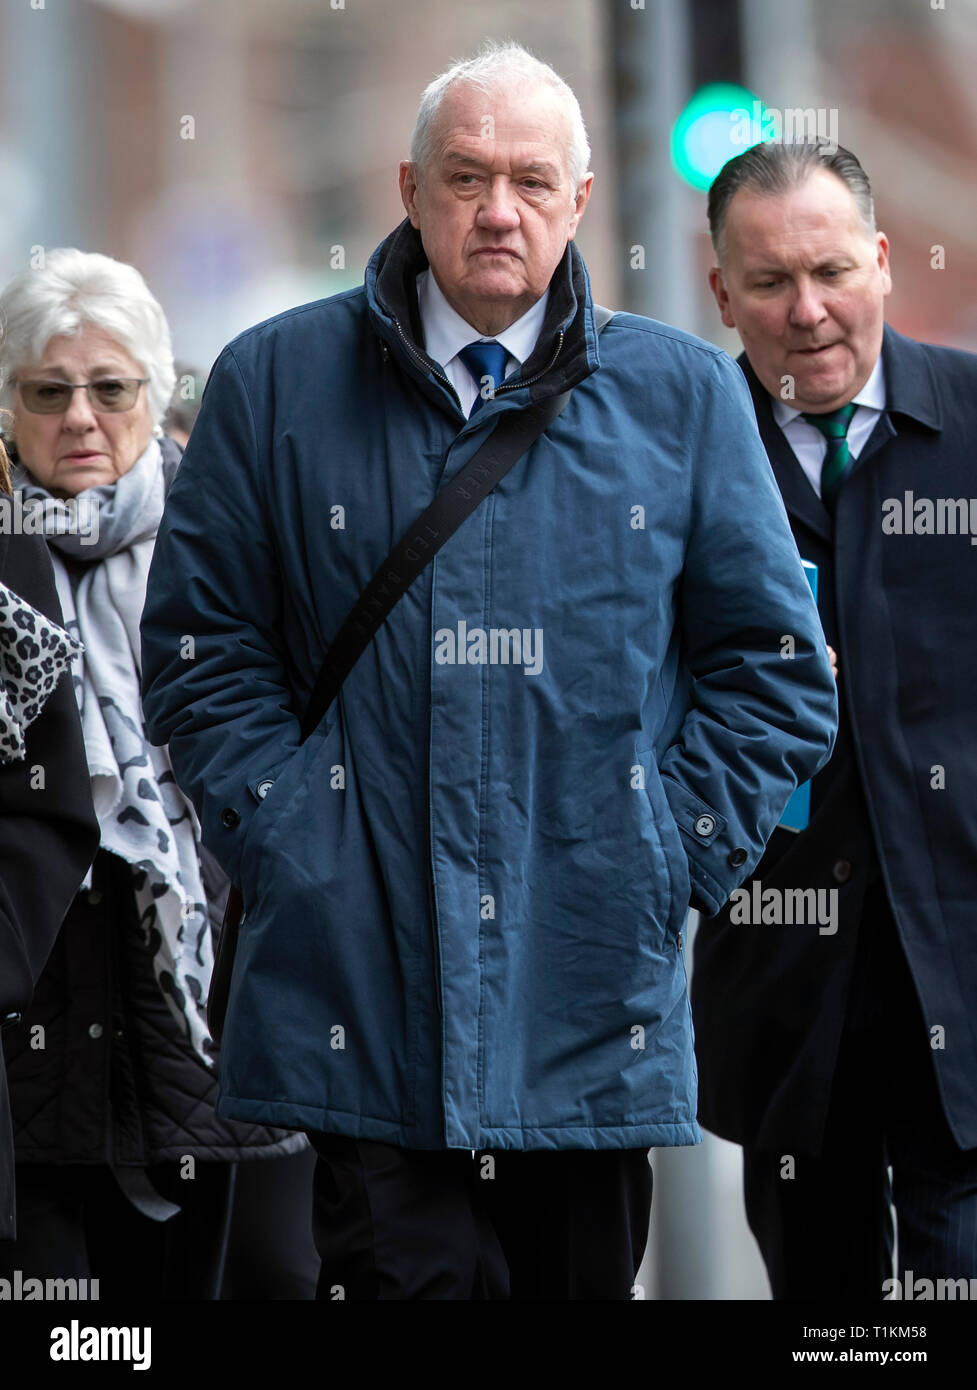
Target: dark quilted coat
[[114, 1081]]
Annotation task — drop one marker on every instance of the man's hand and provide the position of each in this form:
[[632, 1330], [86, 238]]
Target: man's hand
[[833, 658]]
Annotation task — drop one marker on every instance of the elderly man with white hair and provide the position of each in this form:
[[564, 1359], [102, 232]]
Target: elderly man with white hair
[[467, 792]]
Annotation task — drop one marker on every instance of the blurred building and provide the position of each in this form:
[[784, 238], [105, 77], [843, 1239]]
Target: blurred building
[[244, 155]]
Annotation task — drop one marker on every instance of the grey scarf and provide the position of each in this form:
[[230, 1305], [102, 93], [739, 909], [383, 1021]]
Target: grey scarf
[[101, 568]]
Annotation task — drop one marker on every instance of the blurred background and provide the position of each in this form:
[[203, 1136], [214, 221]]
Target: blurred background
[[243, 155]]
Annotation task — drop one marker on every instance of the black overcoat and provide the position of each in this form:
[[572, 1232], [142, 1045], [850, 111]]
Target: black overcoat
[[899, 795], [48, 833]]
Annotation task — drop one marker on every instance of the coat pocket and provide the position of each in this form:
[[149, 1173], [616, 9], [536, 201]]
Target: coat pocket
[[670, 840], [276, 797]]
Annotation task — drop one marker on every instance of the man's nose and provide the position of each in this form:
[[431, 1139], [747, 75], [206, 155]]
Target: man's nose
[[807, 309], [80, 416], [499, 206]]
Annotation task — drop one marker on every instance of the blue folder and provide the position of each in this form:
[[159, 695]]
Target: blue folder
[[797, 812]]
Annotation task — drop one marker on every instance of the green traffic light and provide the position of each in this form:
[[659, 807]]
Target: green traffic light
[[721, 121]]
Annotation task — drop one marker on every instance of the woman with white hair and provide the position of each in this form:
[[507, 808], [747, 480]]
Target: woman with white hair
[[125, 1172]]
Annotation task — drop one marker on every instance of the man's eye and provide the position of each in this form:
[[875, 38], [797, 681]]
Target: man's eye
[[49, 390], [108, 388]]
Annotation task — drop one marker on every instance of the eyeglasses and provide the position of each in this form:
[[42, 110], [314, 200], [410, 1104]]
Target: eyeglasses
[[108, 396]]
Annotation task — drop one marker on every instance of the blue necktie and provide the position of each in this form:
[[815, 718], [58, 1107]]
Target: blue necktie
[[484, 360]]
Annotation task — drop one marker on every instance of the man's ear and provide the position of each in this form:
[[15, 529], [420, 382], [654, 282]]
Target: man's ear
[[408, 188], [882, 256], [579, 203], [718, 286]]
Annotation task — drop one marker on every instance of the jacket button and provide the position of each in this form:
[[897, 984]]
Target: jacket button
[[94, 897], [263, 788], [705, 825], [737, 857], [230, 817], [95, 1030], [9, 1020], [841, 871]]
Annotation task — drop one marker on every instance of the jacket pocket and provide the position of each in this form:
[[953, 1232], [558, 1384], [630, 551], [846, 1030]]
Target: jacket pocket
[[670, 840], [275, 795]]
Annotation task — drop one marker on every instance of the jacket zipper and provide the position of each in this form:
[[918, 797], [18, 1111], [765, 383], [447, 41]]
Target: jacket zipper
[[437, 947], [423, 362], [430, 868], [434, 917], [531, 381], [429, 366]]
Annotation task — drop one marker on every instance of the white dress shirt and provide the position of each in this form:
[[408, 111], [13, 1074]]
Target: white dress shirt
[[807, 441], [446, 333]]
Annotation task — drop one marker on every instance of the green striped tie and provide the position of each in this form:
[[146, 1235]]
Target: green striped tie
[[837, 460]]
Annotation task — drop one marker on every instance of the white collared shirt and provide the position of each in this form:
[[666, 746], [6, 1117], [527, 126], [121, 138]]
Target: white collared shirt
[[446, 333], [807, 441]]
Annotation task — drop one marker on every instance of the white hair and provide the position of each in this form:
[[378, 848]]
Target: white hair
[[495, 67], [74, 288]]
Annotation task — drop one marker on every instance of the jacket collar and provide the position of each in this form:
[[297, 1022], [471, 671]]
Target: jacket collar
[[910, 391], [910, 388], [565, 352]]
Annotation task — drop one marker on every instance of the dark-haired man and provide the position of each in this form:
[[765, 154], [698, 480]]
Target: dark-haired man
[[831, 1055]]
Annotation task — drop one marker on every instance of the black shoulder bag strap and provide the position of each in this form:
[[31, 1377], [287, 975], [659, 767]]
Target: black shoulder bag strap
[[512, 437]]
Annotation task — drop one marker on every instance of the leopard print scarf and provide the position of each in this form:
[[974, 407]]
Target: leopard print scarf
[[34, 654]]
